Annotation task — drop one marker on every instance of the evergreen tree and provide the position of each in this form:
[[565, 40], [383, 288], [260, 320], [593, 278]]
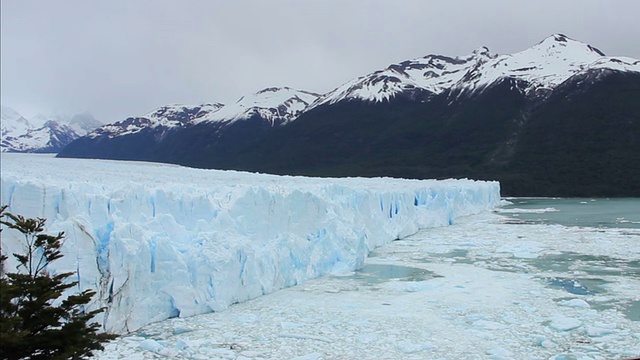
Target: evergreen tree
[[33, 323]]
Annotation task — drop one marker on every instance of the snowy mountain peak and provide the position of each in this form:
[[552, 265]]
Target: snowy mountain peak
[[274, 104], [482, 51], [169, 115], [561, 46], [429, 74], [558, 42], [164, 117], [542, 66], [13, 124], [39, 120], [42, 133], [9, 114], [84, 123]]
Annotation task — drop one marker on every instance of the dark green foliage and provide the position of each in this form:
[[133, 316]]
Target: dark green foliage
[[582, 143], [32, 324]]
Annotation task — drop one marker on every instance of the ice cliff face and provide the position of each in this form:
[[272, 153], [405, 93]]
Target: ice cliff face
[[160, 241]]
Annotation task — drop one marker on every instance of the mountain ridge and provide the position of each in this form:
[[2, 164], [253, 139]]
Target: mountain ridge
[[432, 117], [42, 134]]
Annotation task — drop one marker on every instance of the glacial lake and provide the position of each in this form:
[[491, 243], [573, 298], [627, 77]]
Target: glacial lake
[[585, 212]]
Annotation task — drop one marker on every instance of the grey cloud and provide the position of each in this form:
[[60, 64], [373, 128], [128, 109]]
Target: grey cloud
[[120, 58]]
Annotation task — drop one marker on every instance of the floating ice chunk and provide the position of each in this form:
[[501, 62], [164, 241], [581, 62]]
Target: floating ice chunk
[[412, 286], [408, 347], [547, 344], [285, 325], [544, 342], [564, 323], [576, 303], [251, 353], [221, 353], [156, 347], [366, 338], [594, 331], [488, 325], [151, 345], [181, 345], [529, 211], [178, 331], [500, 353], [562, 357], [306, 337], [312, 356], [611, 326], [523, 249], [600, 329]]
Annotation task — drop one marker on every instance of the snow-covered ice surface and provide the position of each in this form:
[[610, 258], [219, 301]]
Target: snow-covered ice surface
[[484, 288], [159, 241]]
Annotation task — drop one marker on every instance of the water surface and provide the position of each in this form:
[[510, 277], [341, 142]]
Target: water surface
[[601, 212]]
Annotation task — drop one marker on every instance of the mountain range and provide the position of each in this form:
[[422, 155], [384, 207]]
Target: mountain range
[[557, 119], [42, 134]]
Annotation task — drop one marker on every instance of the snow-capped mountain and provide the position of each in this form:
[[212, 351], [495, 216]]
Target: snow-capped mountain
[[541, 67], [558, 113], [161, 119], [83, 123], [275, 105], [13, 124], [49, 138], [158, 135], [41, 133]]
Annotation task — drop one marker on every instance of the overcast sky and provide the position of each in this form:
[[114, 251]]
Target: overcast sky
[[119, 58]]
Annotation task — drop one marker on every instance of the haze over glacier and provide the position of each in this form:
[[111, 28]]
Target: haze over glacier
[[40, 133], [159, 241]]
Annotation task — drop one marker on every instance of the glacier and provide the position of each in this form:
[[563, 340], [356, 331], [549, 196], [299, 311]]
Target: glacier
[[158, 241]]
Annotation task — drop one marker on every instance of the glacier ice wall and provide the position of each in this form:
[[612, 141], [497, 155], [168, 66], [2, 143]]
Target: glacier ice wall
[[159, 241]]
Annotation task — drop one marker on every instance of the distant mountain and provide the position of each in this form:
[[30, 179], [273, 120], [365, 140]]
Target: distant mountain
[[557, 119], [83, 123], [42, 134], [199, 132], [538, 69], [13, 124]]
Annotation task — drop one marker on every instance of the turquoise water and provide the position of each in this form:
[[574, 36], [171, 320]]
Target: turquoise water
[[607, 213], [371, 274]]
